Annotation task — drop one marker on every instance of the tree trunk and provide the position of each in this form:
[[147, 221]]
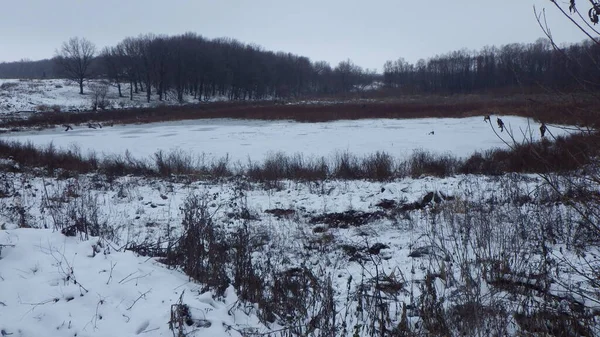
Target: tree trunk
[[81, 86], [148, 90]]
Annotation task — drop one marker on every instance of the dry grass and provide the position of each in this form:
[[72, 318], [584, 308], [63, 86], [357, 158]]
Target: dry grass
[[550, 110], [564, 154]]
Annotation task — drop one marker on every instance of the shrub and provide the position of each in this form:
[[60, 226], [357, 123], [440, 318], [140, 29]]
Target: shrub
[[379, 166], [176, 162], [564, 154], [346, 166], [201, 251], [99, 96], [426, 163]]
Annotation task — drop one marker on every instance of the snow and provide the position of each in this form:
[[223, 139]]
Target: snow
[[36, 293], [241, 140], [35, 263], [45, 94], [53, 285]]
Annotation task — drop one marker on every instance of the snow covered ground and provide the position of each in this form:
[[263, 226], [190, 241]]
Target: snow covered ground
[[350, 231], [50, 94], [66, 286], [52, 285], [253, 139]]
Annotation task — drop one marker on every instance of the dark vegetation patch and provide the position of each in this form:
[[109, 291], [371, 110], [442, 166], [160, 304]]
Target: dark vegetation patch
[[432, 106], [347, 219], [386, 204], [358, 253], [564, 154], [552, 323], [428, 199], [281, 213]]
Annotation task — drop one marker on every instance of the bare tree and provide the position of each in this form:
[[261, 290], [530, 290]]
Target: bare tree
[[113, 65], [74, 58]]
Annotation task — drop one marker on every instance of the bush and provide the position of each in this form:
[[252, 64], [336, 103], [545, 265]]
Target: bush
[[201, 251], [346, 166], [99, 96], [426, 163], [379, 166], [564, 154]]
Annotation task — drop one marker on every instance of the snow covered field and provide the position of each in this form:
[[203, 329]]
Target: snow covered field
[[54, 285], [253, 139], [67, 286], [354, 232], [46, 95]]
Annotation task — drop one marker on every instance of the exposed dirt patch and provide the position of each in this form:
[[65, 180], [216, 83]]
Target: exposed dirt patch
[[347, 219], [281, 213], [357, 253], [428, 199], [387, 204]]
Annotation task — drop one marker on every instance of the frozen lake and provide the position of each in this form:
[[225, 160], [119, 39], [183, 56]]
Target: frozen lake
[[243, 139]]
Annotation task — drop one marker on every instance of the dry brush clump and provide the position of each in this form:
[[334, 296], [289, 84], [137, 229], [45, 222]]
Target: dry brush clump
[[73, 208], [297, 298], [277, 166], [508, 264], [426, 163], [562, 154]]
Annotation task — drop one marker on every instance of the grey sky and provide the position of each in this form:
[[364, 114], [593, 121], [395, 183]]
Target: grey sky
[[367, 32]]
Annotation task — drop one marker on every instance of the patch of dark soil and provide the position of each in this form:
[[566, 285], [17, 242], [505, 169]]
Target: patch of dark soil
[[244, 214], [428, 199], [280, 213], [386, 204], [356, 253], [376, 248], [319, 229], [347, 219], [422, 251]]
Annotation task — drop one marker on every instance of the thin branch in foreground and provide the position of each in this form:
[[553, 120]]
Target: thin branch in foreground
[[142, 295]]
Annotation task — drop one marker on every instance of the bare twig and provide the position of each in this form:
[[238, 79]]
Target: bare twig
[[142, 295]]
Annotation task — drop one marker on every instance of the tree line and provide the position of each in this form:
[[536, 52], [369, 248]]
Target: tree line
[[170, 67], [534, 65], [26, 68], [193, 65]]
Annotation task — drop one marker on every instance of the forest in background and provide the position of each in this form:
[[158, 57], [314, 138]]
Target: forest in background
[[189, 64]]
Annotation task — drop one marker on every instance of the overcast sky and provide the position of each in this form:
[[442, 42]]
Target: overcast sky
[[367, 32]]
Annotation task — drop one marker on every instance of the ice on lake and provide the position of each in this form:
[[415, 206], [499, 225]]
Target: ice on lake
[[254, 139]]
